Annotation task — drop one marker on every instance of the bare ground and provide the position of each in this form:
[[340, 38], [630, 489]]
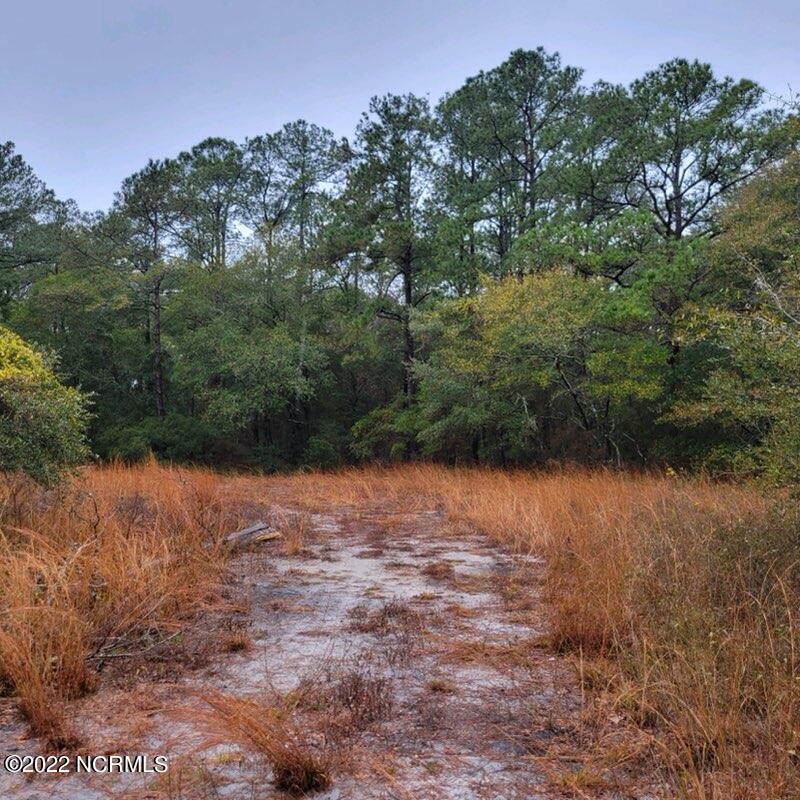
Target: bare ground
[[411, 653]]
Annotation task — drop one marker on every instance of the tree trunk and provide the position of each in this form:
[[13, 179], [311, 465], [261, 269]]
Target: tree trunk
[[408, 340], [158, 353]]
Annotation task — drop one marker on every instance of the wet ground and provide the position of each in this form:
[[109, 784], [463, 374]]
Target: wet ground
[[412, 653]]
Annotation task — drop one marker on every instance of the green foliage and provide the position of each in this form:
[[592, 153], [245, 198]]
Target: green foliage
[[42, 422], [509, 365], [532, 270], [749, 384], [507, 133], [30, 216], [385, 434], [682, 139], [178, 437]]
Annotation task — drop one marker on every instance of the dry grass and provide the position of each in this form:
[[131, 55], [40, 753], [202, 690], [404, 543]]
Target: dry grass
[[500, 656], [438, 570], [366, 697], [295, 531], [397, 626], [297, 766], [684, 590], [677, 596], [342, 699], [110, 565], [440, 686], [384, 618], [236, 642]]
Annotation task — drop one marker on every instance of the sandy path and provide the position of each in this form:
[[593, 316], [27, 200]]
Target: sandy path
[[437, 629]]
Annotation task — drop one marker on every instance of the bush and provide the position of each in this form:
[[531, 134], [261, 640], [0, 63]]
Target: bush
[[178, 437], [42, 422], [385, 434], [321, 453]]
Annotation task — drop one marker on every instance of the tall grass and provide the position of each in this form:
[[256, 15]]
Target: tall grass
[[678, 595], [298, 768], [110, 564]]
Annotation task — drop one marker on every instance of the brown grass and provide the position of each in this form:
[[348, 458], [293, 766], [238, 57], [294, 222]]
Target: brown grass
[[685, 590], [297, 767], [384, 618], [295, 531], [440, 686], [438, 570], [110, 565], [677, 596], [366, 697], [236, 642]]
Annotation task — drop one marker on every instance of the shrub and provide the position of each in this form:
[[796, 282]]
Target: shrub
[[42, 422]]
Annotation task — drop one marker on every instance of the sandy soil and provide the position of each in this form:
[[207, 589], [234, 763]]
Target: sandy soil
[[437, 634]]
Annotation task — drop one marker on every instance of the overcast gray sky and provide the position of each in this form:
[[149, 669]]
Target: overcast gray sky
[[90, 89]]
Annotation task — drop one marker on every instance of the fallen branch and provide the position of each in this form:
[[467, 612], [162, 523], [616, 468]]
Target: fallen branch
[[132, 653], [260, 532]]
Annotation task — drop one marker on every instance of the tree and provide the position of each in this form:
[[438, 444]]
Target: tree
[[683, 140], [209, 200], [147, 202], [752, 331], [507, 132], [267, 188], [43, 422], [520, 373], [392, 180], [648, 170], [30, 223], [243, 361], [288, 176], [538, 270]]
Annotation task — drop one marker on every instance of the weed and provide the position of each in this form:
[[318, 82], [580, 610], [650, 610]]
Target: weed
[[295, 530], [297, 767], [440, 686], [366, 697], [236, 642], [438, 570]]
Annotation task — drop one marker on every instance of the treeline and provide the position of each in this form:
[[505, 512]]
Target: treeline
[[533, 269]]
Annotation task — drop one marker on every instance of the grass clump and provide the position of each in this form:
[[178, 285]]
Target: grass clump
[[117, 557], [298, 768]]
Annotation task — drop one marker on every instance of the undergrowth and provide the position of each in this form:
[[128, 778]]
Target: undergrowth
[[111, 564], [678, 596]]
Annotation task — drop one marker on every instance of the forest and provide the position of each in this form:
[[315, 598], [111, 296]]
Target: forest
[[455, 458], [530, 270]]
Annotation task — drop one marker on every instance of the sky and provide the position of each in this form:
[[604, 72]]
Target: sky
[[90, 89]]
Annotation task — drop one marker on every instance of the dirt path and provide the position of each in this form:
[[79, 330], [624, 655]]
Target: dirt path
[[411, 652]]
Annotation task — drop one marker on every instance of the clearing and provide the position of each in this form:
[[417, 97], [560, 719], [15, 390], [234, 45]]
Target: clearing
[[407, 654]]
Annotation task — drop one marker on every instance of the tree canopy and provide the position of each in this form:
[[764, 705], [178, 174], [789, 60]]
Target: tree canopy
[[529, 269]]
